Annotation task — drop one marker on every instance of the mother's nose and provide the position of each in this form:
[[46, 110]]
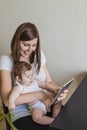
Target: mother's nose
[[29, 48]]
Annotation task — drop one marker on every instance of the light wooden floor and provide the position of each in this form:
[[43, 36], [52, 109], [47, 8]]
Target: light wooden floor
[[73, 87]]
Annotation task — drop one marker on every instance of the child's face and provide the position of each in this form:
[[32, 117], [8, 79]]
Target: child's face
[[27, 78]]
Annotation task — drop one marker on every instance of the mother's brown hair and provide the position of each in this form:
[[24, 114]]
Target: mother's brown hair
[[26, 32]]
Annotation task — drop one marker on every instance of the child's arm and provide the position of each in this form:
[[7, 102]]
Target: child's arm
[[13, 96]]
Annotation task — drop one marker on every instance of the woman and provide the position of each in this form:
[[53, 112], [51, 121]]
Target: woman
[[25, 46]]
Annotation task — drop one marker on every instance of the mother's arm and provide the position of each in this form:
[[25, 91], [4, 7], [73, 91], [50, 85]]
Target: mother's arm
[[6, 87], [50, 83]]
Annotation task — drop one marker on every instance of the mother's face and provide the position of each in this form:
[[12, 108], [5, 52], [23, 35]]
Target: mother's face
[[27, 47]]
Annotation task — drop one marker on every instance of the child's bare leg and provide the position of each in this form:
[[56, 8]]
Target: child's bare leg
[[56, 109], [39, 117]]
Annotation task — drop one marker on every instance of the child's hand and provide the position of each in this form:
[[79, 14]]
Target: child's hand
[[11, 106]]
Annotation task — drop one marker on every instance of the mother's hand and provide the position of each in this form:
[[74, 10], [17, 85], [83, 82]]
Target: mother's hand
[[47, 101], [62, 96]]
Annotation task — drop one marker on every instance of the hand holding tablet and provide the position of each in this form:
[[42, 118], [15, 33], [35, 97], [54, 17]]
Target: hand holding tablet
[[65, 86]]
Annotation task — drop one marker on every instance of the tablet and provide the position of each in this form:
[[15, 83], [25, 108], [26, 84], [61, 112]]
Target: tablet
[[65, 86]]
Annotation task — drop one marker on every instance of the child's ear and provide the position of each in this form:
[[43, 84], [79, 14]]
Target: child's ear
[[18, 78]]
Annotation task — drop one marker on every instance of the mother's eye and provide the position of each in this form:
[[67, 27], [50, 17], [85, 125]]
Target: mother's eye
[[34, 45], [25, 44]]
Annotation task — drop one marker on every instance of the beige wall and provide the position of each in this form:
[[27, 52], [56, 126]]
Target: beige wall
[[63, 30]]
